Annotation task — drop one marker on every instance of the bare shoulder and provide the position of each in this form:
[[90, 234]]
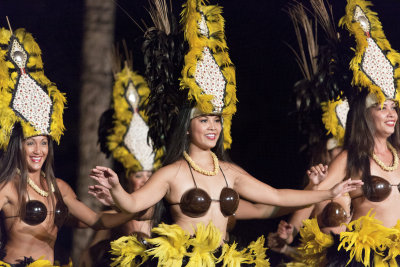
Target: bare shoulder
[[169, 171], [64, 187], [232, 167]]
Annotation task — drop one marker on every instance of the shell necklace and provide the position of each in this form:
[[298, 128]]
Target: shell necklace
[[395, 160], [38, 189], [200, 170]]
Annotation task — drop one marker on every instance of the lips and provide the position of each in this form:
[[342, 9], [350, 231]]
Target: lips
[[36, 159], [391, 123], [211, 136]]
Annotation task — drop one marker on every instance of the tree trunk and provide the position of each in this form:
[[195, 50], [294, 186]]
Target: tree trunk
[[98, 39]]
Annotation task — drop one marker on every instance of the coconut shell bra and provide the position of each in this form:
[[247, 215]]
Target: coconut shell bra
[[36, 212], [196, 202], [334, 214]]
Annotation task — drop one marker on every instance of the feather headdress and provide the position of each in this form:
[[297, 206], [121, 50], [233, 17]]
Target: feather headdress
[[127, 139], [208, 74], [324, 64], [375, 64], [27, 96]]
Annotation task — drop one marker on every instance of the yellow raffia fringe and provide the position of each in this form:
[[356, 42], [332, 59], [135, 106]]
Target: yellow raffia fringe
[[4, 264], [331, 121], [313, 243], [366, 234], [172, 243], [9, 78], [127, 248], [394, 247], [232, 257], [217, 45], [123, 116], [359, 77], [205, 243]]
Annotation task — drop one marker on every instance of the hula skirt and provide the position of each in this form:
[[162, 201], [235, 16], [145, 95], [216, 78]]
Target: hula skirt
[[173, 247], [365, 243]]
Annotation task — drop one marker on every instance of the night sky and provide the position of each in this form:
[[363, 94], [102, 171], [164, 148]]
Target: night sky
[[265, 137]]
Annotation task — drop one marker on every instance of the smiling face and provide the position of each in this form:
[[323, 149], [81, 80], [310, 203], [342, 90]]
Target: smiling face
[[384, 118], [205, 130], [36, 150], [138, 179]]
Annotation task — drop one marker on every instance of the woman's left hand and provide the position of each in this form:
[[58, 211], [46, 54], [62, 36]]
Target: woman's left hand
[[345, 187]]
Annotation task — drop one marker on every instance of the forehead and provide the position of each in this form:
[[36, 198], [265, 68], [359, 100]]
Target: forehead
[[210, 116], [37, 138]]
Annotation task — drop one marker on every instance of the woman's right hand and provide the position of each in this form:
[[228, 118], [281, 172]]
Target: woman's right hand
[[345, 187], [105, 177]]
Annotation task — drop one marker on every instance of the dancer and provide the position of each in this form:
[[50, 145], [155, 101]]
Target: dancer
[[123, 134], [34, 203], [201, 187], [371, 147]]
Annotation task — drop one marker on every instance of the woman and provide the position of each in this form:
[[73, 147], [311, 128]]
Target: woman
[[180, 181], [371, 148], [33, 202], [123, 134], [201, 188], [97, 252]]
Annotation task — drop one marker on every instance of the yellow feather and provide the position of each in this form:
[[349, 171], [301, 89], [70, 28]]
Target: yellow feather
[[359, 77], [122, 119], [9, 76], [313, 243], [366, 234], [217, 44]]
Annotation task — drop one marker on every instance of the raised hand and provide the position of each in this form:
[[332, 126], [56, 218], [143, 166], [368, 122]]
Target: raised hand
[[102, 194], [104, 176], [316, 174], [344, 187]]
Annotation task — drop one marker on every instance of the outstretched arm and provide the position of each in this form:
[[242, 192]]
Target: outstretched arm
[[248, 211], [84, 214], [147, 196], [254, 190]]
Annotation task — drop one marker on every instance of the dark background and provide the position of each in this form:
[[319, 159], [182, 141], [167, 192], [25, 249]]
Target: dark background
[[265, 137]]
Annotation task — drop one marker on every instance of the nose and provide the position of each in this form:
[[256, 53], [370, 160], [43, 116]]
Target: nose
[[36, 149], [211, 125]]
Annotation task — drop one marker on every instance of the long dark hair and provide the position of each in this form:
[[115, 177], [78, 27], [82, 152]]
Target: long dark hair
[[179, 140], [359, 140], [13, 168]]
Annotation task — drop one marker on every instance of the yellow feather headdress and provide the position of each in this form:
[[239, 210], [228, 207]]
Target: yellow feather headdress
[[375, 63], [334, 117], [27, 96], [128, 140], [208, 72]]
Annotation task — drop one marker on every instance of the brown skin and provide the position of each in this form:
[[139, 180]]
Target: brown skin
[[141, 225], [173, 180], [38, 240], [386, 211]]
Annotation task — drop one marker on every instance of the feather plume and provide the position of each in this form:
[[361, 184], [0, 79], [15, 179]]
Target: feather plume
[[9, 74], [211, 36], [163, 58]]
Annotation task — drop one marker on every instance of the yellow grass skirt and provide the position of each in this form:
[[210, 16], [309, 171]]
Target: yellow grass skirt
[[172, 246]]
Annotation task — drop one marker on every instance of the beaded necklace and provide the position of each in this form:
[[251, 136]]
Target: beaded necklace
[[200, 170], [38, 189], [395, 160]]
